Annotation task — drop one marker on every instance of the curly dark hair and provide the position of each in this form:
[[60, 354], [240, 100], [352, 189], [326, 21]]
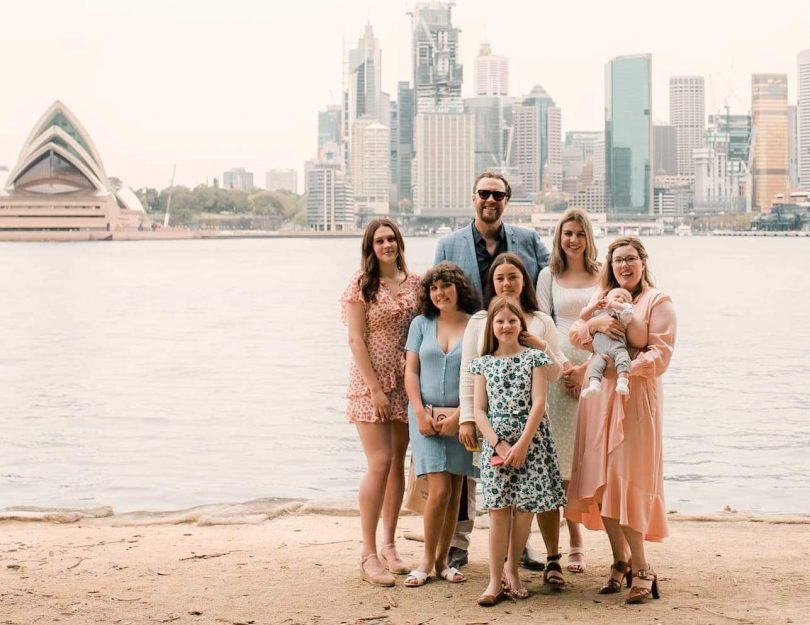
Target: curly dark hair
[[448, 272], [528, 296]]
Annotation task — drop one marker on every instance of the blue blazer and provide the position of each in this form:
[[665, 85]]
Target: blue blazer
[[459, 247]]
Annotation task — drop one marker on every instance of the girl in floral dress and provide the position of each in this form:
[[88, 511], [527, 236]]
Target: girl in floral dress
[[378, 306], [519, 467]]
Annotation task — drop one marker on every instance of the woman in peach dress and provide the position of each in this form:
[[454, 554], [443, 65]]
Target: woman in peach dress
[[617, 480], [377, 306]]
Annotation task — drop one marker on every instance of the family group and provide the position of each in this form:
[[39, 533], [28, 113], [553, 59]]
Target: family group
[[537, 374]]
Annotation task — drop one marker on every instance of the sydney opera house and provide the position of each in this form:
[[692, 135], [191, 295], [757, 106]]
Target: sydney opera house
[[58, 189]]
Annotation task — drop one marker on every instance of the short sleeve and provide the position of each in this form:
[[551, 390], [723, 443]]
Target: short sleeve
[[477, 366], [351, 295], [538, 358], [415, 334]]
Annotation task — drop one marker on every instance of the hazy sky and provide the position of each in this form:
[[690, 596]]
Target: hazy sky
[[210, 85]]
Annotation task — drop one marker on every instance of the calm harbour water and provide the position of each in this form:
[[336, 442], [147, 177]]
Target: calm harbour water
[[162, 375]]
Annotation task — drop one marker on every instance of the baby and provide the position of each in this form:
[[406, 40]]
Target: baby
[[617, 304]]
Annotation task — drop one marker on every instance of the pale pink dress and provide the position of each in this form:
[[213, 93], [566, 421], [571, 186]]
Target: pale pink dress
[[387, 322], [618, 453]]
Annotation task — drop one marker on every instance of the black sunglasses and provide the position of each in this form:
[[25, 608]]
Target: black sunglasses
[[496, 195]]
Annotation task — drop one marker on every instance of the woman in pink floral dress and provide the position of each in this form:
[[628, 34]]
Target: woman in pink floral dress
[[378, 306]]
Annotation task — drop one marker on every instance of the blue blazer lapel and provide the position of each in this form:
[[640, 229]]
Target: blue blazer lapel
[[472, 264], [511, 237]]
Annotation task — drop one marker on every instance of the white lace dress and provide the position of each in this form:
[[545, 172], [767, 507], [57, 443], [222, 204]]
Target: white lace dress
[[564, 305]]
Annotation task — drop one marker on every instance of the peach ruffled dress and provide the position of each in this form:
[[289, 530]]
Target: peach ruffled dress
[[618, 453], [387, 320]]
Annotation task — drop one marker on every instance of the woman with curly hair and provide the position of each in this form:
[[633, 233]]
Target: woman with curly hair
[[378, 306], [432, 365]]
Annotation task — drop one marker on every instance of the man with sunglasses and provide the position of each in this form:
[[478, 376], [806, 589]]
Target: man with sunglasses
[[473, 248]]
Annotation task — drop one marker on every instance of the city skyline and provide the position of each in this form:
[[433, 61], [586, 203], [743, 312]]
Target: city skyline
[[155, 91]]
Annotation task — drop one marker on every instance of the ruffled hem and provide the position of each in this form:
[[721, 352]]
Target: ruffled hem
[[640, 510]]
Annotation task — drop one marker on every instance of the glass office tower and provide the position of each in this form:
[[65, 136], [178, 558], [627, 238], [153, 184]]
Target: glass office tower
[[628, 135]]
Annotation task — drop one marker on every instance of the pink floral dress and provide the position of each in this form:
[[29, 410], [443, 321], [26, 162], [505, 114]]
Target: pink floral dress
[[387, 322]]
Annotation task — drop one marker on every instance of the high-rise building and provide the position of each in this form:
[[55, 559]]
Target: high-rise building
[[493, 131], [628, 135], [329, 127], [370, 166], [282, 180], [404, 137], [445, 163], [330, 204], [687, 112], [769, 120], [665, 150], [393, 150], [803, 120], [363, 81], [491, 73], [437, 72], [239, 179], [738, 130], [793, 147], [537, 142]]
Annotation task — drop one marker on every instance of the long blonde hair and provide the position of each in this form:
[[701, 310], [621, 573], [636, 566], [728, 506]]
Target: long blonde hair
[[559, 263], [495, 306]]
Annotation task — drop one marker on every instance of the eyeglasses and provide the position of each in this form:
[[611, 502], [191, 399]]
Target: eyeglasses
[[496, 195], [628, 260]]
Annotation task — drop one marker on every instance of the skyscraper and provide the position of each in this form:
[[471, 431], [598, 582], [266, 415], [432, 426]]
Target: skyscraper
[[491, 73], [437, 73], [443, 135], [687, 113], [537, 142], [493, 130], [330, 203], [665, 150], [628, 135], [329, 127], [738, 130], [769, 120], [405, 146], [445, 163], [363, 82], [793, 147], [803, 120], [370, 166]]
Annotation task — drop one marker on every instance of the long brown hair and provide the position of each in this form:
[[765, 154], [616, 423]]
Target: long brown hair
[[609, 278], [528, 296], [446, 271], [495, 306], [559, 262], [369, 281]]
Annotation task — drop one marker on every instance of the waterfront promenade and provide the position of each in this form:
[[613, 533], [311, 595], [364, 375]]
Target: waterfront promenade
[[304, 569]]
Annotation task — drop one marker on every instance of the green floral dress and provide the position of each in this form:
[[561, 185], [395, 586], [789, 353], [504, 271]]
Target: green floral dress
[[537, 486]]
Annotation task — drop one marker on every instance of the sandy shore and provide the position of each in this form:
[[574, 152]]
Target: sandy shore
[[302, 568]]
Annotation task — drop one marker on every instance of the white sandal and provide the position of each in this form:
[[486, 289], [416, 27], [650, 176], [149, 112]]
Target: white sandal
[[450, 574], [416, 578], [576, 565]]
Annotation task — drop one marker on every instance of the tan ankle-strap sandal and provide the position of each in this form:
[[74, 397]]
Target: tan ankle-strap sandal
[[645, 585]]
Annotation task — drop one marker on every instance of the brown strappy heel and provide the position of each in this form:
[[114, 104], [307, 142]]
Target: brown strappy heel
[[619, 570], [645, 585]]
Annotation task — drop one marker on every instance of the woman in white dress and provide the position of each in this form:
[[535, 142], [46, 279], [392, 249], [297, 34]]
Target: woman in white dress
[[563, 289]]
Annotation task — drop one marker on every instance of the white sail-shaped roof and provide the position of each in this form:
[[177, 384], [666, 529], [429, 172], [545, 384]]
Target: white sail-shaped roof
[[58, 157]]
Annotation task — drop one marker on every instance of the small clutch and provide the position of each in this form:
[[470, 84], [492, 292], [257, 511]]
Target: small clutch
[[440, 412], [495, 460]]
